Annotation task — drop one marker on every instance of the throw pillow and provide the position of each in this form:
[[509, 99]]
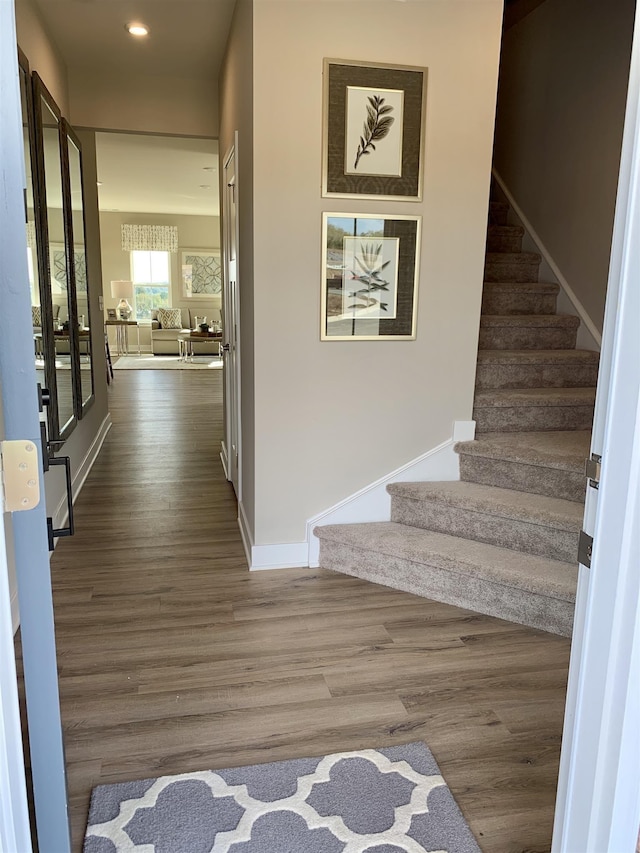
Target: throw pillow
[[36, 315], [170, 318]]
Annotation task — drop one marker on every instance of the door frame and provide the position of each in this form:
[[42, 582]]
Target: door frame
[[598, 798], [232, 331], [26, 532]]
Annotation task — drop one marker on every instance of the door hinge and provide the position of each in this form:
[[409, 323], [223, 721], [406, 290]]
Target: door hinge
[[20, 475], [585, 549], [592, 470]]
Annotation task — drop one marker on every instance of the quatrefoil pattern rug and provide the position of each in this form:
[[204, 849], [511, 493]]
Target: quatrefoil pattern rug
[[371, 801]]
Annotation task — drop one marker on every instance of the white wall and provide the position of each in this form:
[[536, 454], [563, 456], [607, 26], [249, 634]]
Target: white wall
[[332, 417], [194, 232], [563, 84]]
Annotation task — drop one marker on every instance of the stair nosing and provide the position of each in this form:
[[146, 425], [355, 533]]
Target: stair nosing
[[540, 356], [512, 258], [484, 447], [508, 398], [562, 514], [525, 565]]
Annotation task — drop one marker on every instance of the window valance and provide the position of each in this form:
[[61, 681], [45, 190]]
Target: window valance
[[149, 238]]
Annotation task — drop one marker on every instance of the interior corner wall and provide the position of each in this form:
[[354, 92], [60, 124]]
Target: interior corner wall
[[42, 53], [332, 417], [164, 105], [236, 114], [561, 103]]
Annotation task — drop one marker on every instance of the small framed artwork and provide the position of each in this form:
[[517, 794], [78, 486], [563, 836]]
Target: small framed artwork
[[369, 277], [112, 314], [373, 130], [201, 273]]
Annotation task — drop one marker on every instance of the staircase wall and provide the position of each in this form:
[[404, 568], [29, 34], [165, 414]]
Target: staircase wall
[[334, 416], [563, 80]]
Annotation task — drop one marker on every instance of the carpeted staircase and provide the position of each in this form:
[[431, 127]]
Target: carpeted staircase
[[504, 539]]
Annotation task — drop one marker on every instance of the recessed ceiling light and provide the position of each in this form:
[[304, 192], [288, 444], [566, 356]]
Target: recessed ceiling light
[[205, 186], [99, 183], [137, 29]]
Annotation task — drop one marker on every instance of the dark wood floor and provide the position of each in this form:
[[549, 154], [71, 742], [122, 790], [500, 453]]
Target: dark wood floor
[[173, 657]]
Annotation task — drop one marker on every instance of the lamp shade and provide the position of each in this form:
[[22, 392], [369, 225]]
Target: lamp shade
[[122, 289]]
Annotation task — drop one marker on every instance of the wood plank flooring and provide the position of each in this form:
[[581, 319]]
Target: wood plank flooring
[[173, 657]]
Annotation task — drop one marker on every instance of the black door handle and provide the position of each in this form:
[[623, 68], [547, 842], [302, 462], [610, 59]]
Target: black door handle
[[69, 529]]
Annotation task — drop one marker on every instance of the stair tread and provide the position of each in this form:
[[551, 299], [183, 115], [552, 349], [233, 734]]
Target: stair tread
[[507, 503], [540, 356], [512, 257], [530, 320], [562, 449], [516, 230], [467, 558], [509, 397], [523, 286]]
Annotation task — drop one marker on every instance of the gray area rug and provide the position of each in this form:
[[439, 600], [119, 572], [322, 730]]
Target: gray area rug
[[390, 800], [166, 362]]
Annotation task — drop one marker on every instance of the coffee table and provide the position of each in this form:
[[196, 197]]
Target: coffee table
[[186, 343]]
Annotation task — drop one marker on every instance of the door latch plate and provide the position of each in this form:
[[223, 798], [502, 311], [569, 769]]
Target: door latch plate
[[20, 475], [585, 548]]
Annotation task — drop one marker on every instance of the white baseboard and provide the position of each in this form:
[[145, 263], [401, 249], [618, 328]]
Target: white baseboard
[[588, 335], [284, 555], [60, 515], [373, 502]]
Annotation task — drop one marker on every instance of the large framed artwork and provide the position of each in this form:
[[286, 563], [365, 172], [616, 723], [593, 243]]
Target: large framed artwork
[[373, 130], [201, 273], [369, 276]]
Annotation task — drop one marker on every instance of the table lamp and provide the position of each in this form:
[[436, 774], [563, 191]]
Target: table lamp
[[123, 290]]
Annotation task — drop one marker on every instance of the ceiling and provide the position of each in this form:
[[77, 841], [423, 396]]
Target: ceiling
[[157, 174], [143, 173], [187, 37]]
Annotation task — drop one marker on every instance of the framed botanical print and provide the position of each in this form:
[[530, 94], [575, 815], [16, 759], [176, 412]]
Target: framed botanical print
[[369, 276], [373, 130]]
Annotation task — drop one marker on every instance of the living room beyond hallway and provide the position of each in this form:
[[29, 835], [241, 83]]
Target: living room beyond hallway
[[172, 657]]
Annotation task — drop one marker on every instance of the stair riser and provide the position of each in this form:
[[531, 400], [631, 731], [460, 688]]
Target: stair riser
[[518, 303], [484, 527], [493, 376], [498, 213], [504, 242], [553, 482], [532, 418], [482, 596], [516, 337], [495, 271]]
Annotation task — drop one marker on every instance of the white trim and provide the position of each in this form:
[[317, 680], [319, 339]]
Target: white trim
[[372, 503], [589, 337], [598, 801], [285, 555], [60, 515], [14, 814]]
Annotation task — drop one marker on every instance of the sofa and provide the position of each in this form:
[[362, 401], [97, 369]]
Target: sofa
[[165, 341]]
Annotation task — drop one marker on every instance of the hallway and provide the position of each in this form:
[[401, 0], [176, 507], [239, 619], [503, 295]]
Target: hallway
[[173, 657]]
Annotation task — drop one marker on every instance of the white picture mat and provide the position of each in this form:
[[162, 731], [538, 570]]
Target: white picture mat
[[360, 287], [386, 159]]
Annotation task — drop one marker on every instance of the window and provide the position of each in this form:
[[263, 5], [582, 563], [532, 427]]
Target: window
[[151, 276]]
